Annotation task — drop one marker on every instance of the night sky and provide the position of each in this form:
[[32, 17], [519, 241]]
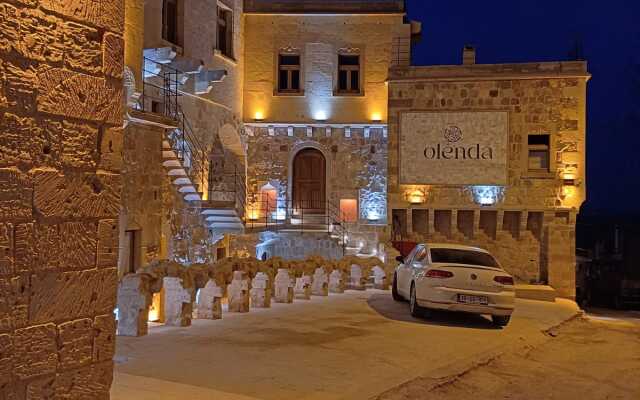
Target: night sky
[[548, 30]]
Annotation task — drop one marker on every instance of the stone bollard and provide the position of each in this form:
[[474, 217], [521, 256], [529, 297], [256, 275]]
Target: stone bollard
[[283, 287], [178, 302], [380, 280], [302, 289], [238, 293], [209, 301], [260, 291], [320, 285], [356, 280], [134, 300], [336, 282]]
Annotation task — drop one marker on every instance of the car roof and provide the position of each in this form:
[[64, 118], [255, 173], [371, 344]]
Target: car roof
[[454, 247]]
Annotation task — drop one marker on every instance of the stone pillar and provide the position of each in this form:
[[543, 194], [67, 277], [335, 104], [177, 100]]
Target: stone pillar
[[178, 302], [261, 291], [283, 287], [209, 301], [134, 300], [238, 293], [380, 280], [336, 281], [356, 278], [561, 258], [60, 106], [302, 289], [432, 221], [320, 285]]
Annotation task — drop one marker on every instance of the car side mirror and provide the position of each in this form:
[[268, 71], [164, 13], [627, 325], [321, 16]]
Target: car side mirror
[[400, 259]]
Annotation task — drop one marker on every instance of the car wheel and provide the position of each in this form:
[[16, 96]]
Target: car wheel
[[394, 289], [414, 308], [501, 320]]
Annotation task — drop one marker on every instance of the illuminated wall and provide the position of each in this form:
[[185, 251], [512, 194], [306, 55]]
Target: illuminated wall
[[318, 39], [60, 185]]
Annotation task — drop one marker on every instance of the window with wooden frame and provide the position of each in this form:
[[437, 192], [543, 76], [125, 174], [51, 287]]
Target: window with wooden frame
[[170, 21], [225, 31], [289, 73], [539, 153], [349, 74]]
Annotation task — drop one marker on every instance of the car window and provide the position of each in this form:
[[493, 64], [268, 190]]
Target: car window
[[421, 256], [459, 256], [411, 255]]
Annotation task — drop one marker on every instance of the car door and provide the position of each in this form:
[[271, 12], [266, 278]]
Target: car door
[[420, 260], [405, 272]]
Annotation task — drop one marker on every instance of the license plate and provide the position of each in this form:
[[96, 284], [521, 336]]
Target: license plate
[[467, 299]]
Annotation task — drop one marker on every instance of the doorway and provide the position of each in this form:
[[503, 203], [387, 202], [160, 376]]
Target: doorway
[[309, 182]]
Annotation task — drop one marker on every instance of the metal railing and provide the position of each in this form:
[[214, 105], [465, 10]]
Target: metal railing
[[161, 95], [265, 212]]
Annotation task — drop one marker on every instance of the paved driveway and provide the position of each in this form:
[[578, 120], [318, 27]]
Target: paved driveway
[[350, 346]]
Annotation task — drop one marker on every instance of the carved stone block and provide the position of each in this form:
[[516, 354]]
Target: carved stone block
[[283, 287]]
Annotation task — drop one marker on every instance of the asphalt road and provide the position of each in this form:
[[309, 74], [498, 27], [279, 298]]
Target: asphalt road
[[351, 346]]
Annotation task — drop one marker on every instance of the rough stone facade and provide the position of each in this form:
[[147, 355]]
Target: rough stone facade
[[530, 222], [61, 66]]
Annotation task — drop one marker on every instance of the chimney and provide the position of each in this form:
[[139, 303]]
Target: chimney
[[469, 55]]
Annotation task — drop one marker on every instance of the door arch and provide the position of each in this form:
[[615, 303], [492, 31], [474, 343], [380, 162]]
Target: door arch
[[309, 181]]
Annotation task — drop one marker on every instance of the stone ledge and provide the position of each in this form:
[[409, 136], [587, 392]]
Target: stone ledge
[[536, 292]]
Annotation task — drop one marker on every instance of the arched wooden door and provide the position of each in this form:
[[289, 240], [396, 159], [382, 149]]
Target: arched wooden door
[[309, 181]]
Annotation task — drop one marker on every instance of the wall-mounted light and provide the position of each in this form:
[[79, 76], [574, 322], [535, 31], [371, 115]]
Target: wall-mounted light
[[320, 116], [258, 116], [253, 214], [376, 117], [416, 196]]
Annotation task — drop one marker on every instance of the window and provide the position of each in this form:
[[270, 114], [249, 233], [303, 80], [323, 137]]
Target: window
[[348, 73], [468, 257], [289, 73], [170, 21], [225, 31], [421, 256], [539, 153]]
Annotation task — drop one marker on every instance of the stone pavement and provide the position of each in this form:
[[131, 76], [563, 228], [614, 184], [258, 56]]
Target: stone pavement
[[351, 346]]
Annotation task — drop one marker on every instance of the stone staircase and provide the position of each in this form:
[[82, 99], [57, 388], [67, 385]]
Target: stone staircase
[[222, 217]]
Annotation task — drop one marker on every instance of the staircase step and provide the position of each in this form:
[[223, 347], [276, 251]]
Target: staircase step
[[226, 225], [169, 155], [219, 211], [193, 197], [172, 163], [177, 172], [182, 181], [166, 145], [223, 218], [187, 189]]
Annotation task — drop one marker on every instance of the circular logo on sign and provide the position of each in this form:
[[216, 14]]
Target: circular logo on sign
[[474, 277], [453, 134]]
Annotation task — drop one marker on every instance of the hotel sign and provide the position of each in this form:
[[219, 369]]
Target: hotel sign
[[454, 148]]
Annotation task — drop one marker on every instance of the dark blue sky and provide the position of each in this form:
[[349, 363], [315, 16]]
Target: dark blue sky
[[546, 30]]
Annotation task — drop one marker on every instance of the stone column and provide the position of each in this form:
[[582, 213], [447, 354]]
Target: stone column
[[302, 289], [283, 287], [320, 285], [356, 278], [261, 291], [134, 300], [178, 302], [238, 293], [336, 281], [209, 301], [60, 107]]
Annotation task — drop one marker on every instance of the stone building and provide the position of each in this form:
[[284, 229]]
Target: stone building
[[492, 155]]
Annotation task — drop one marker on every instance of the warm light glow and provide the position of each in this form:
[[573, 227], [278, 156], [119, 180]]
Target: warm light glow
[[259, 116], [253, 214], [349, 210], [154, 310], [569, 192], [569, 176], [320, 115], [376, 117], [416, 197]]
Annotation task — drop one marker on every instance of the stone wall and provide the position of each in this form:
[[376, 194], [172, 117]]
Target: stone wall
[[533, 224], [61, 66], [318, 39], [357, 165]]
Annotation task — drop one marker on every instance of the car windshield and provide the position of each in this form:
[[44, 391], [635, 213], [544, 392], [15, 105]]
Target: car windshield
[[457, 256]]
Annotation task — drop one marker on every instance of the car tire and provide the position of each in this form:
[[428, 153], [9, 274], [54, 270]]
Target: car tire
[[414, 308], [501, 320], [394, 289]]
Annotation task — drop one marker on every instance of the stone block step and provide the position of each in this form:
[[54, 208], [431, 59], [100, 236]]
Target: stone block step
[[536, 292], [193, 197], [187, 189], [172, 163], [177, 172], [226, 225], [218, 211], [223, 218]]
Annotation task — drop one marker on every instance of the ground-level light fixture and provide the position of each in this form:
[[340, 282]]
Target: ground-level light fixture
[[416, 196], [259, 116], [376, 117], [320, 116]]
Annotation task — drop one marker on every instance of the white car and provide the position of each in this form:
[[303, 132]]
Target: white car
[[454, 278]]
